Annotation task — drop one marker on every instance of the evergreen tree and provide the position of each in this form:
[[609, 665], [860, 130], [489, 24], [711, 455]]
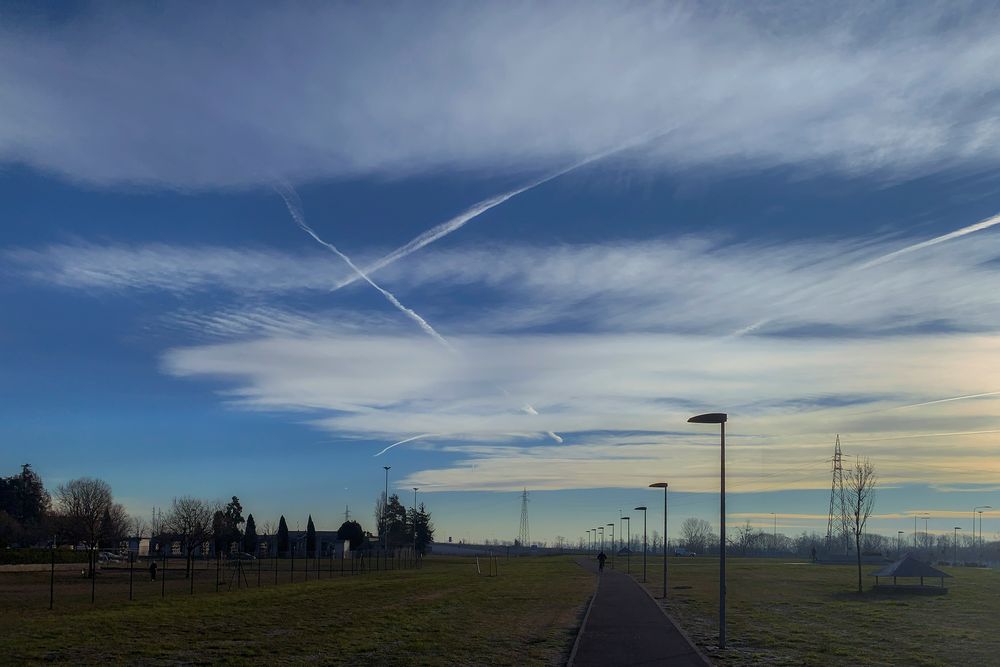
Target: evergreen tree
[[396, 523], [310, 537], [233, 514], [250, 536], [282, 536], [352, 532], [424, 529]]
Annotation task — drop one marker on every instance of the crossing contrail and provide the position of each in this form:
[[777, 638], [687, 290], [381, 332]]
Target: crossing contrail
[[294, 206], [460, 220], [295, 209], [888, 257]]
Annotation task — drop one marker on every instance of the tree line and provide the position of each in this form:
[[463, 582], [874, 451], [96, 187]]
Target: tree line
[[83, 511]]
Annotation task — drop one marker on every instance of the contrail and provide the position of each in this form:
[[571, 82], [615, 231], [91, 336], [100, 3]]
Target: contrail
[[460, 220], [919, 435], [294, 208], [416, 437], [979, 226], [948, 400], [882, 259]]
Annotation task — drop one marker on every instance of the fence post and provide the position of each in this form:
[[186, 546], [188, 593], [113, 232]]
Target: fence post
[[163, 576], [131, 567], [52, 574], [191, 571], [93, 573]]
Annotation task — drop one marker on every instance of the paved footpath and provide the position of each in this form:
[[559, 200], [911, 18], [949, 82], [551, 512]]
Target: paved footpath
[[626, 627]]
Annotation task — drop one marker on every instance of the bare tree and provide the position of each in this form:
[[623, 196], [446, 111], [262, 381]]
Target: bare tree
[[138, 525], [83, 503], [190, 519], [859, 492], [695, 533]]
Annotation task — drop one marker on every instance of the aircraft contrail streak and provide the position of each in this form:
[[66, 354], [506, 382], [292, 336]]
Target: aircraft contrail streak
[[460, 220], [948, 400], [882, 259], [411, 439], [295, 210]]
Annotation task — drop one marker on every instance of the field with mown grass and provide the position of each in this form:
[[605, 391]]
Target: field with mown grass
[[442, 614], [787, 613]]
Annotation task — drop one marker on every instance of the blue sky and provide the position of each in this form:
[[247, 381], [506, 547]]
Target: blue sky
[[769, 212]]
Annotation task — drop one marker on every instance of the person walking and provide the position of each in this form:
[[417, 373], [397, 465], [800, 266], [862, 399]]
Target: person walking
[[152, 570], [600, 561]]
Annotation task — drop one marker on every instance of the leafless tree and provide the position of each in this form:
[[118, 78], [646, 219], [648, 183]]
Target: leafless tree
[[190, 519], [695, 534], [82, 503], [138, 525], [859, 491]]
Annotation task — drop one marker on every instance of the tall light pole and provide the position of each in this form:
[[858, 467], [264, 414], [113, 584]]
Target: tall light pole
[[621, 535], [601, 528], [612, 527], [415, 489], [385, 510], [628, 545], [643, 509], [899, 542], [919, 515], [975, 509], [954, 560], [774, 533], [719, 418], [663, 485], [927, 537], [588, 539]]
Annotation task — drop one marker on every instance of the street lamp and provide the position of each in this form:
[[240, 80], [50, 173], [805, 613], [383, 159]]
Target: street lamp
[[899, 542], [978, 545], [922, 515], [663, 485], [954, 560], [628, 545], [385, 510], [643, 509], [601, 528], [774, 534], [612, 526], [415, 489], [720, 419], [588, 539]]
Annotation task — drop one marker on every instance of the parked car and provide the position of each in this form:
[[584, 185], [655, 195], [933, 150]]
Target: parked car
[[683, 552]]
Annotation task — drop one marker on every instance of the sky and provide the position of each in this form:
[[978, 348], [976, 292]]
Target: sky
[[265, 250]]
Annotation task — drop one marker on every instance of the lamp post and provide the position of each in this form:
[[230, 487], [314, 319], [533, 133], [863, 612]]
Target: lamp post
[[920, 515], [643, 509], [612, 527], [415, 489], [588, 539], [601, 528], [899, 542], [977, 545], [954, 560], [927, 536], [719, 418], [385, 509], [628, 545], [663, 485], [774, 533]]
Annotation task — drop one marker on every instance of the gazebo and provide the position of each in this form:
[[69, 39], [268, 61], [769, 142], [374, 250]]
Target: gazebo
[[909, 567]]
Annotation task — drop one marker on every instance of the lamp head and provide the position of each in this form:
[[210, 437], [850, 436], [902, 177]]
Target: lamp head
[[658, 485], [641, 508], [625, 518], [709, 418]]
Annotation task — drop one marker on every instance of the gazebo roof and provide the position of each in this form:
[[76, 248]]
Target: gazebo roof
[[908, 566]]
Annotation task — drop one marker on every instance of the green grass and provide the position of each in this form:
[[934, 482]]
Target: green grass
[[780, 613], [442, 614]]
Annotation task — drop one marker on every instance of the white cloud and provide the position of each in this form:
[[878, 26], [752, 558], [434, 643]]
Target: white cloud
[[691, 285], [221, 95], [779, 393]]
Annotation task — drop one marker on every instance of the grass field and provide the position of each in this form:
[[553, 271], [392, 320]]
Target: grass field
[[784, 613], [441, 614]]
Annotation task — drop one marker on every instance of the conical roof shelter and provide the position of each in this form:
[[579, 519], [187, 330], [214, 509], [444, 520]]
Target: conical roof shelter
[[909, 567]]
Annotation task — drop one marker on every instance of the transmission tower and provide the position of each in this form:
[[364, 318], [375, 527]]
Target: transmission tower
[[523, 538], [837, 517]]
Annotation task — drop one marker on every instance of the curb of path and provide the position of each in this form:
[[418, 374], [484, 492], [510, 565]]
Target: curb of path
[[583, 624], [677, 625]]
